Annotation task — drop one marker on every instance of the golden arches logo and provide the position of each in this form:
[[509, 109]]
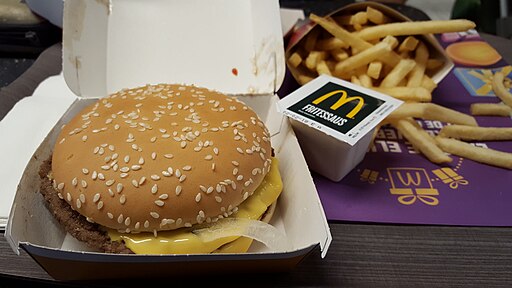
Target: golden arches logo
[[342, 101]]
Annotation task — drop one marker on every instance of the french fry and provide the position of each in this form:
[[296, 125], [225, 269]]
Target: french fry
[[431, 111], [415, 28], [365, 80], [478, 154], [500, 90], [331, 43], [375, 16], [391, 40], [472, 133], [398, 73], [433, 64], [340, 33], [313, 58], [411, 94], [428, 83], [490, 109], [421, 140], [323, 68], [374, 69], [362, 58], [294, 60], [339, 54], [416, 76], [355, 80], [358, 20], [409, 44]]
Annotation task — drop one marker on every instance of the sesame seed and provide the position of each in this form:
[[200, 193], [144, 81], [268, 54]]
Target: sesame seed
[[187, 168], [122, 199], [110, 182], [178, 190], [84, 138], [137, 225], [153, 139], [178, 172], [235, 171], [208, 157], [213, 166], [153, 155], [210, 190], [235, 163], [218, 199], [246, 195], [135, 183], [60, 186], [85, 171], [125, 169], [166, 174], [96, 197], [110, 215], [78, 203], [240, 177], [198, 197], [154, 214], [111, 148], [182, 178], [136, 167], [74, 182], [155, 177], [163, 196], [127, 221], [168, 156], [146, 224], [183, 144], [101, 176], [126, 158], [202, 188], [154, 189], [142, 180], [84, 184], [218, 188], [110, 192], [120, 219], [159, 203], [100, 205], [124, 175]]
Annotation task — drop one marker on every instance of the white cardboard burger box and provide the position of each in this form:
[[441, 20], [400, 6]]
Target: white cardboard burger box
[[233, 46]]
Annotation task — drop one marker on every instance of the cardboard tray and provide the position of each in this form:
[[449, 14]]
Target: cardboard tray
[[435, 48], [93, 67]]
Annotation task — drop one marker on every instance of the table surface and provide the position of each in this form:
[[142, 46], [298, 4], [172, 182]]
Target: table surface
[[361, 254]]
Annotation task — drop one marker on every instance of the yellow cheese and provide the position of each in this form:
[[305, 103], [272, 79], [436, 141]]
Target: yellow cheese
[[183, 241]]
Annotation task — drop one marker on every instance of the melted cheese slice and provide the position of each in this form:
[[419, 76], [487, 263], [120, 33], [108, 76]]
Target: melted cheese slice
[[184, 241]]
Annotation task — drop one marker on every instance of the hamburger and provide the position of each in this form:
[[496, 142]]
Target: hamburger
[[142, 169]]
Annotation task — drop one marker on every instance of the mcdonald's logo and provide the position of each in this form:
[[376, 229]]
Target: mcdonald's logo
[[343, 99]]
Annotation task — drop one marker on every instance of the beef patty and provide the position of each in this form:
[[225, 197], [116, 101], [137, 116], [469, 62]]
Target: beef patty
[[74, 223]]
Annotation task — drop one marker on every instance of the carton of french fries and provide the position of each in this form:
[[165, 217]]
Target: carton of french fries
[[375, 46]]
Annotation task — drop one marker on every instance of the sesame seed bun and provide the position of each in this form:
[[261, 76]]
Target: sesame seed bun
[[160, 157]]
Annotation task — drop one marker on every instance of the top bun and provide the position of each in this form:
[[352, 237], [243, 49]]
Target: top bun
[[160, 157]]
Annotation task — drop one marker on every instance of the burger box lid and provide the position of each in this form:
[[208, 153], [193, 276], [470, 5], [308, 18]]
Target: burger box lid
[[100, 56], [435, 48]]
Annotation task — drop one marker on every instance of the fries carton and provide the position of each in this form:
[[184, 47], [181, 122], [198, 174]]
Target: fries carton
[[335, 121], [311, 37], [240, 53]]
